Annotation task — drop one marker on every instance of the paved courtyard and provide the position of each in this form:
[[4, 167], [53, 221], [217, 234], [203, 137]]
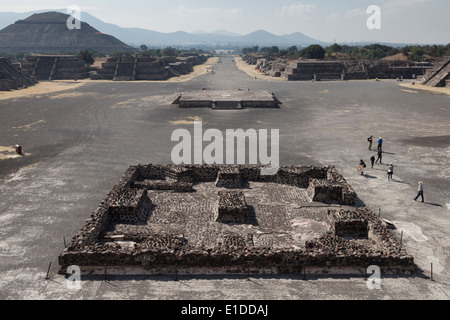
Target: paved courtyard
[[78, 143]]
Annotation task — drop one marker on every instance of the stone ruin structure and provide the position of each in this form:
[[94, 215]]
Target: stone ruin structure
[[202, 219], [439, 76], [55, 67], [47, 33], [130, 68], [11, 77], [307, 70], [313, 70], [227, 99]]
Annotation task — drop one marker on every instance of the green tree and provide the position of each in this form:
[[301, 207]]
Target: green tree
[[292, 50], [334, 48], [416, 53], [406, 51], [87, 56], [170, 52], [314, 51], [144, 47], [394, 51], [274, 50]]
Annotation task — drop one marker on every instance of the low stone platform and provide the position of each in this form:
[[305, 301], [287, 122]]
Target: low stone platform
[[270, 225], [227, 99]]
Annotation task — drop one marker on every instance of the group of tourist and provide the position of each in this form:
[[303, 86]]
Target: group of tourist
[[380, 158], [390, 168]]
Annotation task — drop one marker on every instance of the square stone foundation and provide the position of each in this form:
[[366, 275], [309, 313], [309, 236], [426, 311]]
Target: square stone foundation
[[232, 207], [155, 222]]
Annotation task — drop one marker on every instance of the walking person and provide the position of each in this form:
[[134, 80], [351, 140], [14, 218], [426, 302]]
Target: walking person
[[372, 159], [380, 143], [380, 156], [420, 194], [370, 139], [390, 171]]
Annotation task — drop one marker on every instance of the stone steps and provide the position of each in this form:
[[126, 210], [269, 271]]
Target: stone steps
[[438, 74]]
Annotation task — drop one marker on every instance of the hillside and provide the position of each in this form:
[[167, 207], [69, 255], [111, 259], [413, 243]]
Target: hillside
[[137, 36], [48, 33]]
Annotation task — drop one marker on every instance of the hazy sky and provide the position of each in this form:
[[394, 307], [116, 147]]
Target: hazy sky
[[402, 21]]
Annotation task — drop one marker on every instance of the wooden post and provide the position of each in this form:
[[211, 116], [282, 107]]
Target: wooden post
[[432, 272], [48, 272]]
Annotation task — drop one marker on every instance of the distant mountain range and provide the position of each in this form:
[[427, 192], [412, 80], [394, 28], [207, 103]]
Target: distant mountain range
[[138, 36]]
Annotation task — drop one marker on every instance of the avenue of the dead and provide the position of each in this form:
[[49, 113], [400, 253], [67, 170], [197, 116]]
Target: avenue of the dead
[[78, 142]]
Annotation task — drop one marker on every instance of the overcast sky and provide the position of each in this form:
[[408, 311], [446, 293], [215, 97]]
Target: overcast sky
[[402, 21]]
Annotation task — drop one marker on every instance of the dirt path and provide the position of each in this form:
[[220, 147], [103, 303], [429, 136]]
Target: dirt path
[[426, 88], [42, 88], [250, 70], [64, 85]]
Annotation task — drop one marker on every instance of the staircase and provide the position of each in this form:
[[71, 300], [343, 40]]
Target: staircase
[[438, 75], [53, 72], [44, 67], [12, 73]]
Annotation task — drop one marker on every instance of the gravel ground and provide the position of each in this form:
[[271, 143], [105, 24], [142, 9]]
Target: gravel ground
[[79, 142]]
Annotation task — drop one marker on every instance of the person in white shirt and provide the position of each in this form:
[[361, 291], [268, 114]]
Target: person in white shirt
[[390, 171], [420, 194]]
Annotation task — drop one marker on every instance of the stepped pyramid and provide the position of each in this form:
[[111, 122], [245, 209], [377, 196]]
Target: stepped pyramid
[[48, 33], [439, 76], [11, 77]]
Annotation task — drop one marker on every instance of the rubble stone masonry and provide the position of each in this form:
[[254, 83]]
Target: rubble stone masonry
[[162, 219]]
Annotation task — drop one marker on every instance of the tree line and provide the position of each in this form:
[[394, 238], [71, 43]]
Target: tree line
[[89, 55], [347, 52]]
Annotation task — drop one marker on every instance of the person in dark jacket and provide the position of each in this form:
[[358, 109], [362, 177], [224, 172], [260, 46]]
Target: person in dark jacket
[[380, 156], [372, 159], [362, 166], [370, 142]]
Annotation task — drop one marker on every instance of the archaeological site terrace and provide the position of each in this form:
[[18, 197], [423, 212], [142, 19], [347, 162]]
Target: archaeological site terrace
[[202, 219]]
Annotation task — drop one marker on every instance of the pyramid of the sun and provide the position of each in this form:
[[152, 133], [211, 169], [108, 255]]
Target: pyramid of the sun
[[48, 33]]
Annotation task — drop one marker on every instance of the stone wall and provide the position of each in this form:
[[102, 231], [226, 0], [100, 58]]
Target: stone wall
[[168, 252], [136, 176], [229, 177], [232, 207], [128, 68], [437, 76], [307, 70], [324, 191], [348, 194], [348, 224], [12, 77], [55, 67]]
